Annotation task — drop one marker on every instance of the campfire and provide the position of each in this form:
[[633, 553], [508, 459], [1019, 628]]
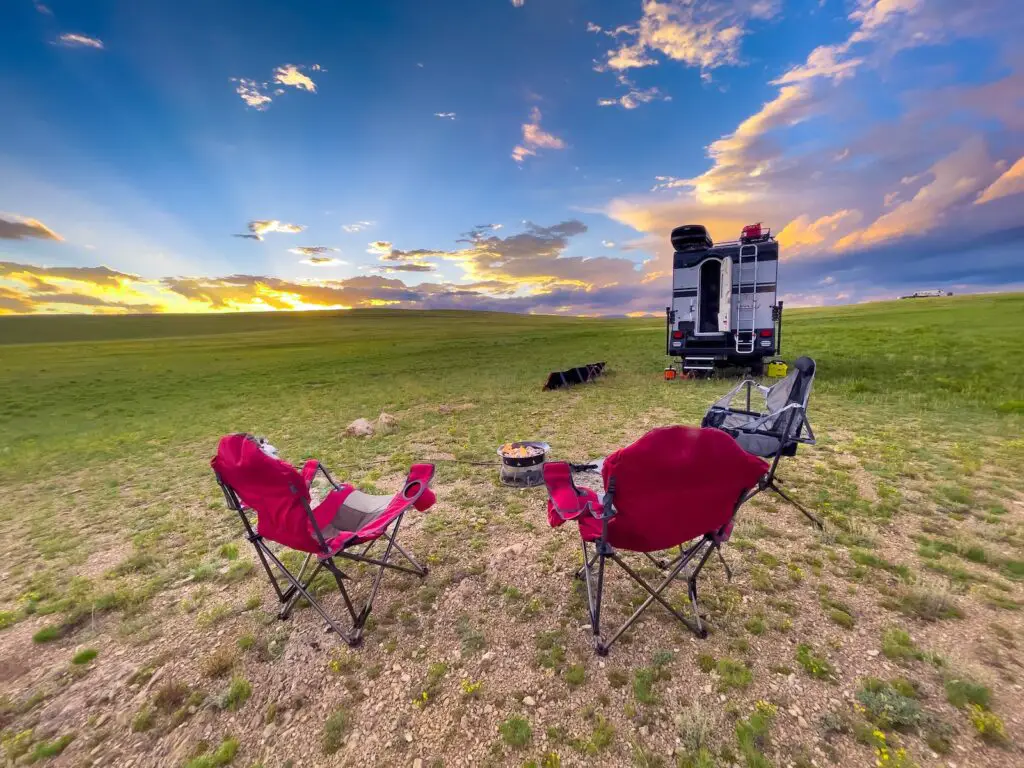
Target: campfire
[[522, 463]]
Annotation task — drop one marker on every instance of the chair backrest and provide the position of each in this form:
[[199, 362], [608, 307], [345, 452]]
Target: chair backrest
[[674, 484], [271, 487], [795, 388]]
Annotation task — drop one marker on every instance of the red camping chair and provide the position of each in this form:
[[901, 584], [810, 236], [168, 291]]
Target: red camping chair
[[672, 486], [253, 481]]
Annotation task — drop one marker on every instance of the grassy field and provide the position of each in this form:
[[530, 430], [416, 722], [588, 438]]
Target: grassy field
[[133, 626]]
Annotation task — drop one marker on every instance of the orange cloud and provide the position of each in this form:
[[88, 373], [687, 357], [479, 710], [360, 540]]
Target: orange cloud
[[14, 227], [1010, 183], [534, 138]]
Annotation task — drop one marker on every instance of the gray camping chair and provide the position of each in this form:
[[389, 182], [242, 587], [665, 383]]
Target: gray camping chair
[[774, 430]]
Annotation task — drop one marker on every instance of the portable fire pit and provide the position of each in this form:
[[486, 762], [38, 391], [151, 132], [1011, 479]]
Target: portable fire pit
[[522, 464]]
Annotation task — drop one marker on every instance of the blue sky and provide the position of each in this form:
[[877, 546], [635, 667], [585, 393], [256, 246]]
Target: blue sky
[[371, 151]]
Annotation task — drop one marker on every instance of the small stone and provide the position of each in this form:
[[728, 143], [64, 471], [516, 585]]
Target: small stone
[[643, 730], [708, 688], [405, 677], [417, 763], [359, 428], [600, 664], [872, 653], [489, 656], [801, 722], [530, 701], [386, 423], [408, 737]]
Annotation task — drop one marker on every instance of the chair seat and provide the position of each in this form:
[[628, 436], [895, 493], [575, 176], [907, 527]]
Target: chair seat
[[758, 444]]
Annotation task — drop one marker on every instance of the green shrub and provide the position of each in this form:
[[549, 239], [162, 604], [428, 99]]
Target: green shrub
[[335, 728], [223, 755], [888, 706], [842, 618], [617, 678], [48, 634], [733, 674], [84, 656], [706, 662], [643, 686], [47, 749], [237, 694], [516, 732], [988, 725], [575, 675], [815, 666], [752, 735], [898, 645], [961, 692], [144, 719]]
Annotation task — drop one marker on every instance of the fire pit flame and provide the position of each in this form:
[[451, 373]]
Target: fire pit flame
[[522, 463]]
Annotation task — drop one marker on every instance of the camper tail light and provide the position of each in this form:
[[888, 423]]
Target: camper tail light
[[677, 334], [765, 332]]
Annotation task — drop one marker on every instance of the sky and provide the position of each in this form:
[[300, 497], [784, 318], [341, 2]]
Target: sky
[[517, 155]]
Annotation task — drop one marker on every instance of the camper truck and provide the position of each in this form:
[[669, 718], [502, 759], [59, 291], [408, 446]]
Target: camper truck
[[724, 311]]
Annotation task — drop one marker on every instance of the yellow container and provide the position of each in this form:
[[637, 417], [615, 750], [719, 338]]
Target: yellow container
[[777, 369]]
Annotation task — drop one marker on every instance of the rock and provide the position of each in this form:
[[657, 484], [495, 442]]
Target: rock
[[406, 678], [386, 423], [872, 653], [487, 657], [801, 722], [268, 731], [408, 737], [530, 701], [417, 763], [643, 730], [359, 428]]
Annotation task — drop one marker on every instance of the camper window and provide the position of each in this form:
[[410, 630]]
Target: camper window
[[710, 289]]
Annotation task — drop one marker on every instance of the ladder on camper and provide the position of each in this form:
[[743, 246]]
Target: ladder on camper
[[745, 331]]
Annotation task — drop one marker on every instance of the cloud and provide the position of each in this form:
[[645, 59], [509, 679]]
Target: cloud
[[955, 179], [379, 248], [534, 138], [315, 254], [72, 40], [634, 96], [518, 3], [804, 235], [292, 75], [259, 94], [323, 261], [252, 93], [607, 243], [445, 115], [43, 9], [359, 226], [14, 227], [261, 227], [1010, 183], [703, 34], [409, 268]]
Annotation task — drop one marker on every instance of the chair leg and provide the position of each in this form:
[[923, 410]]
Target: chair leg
[[817, 521], [653, 594], [691, 584], [301, 589]]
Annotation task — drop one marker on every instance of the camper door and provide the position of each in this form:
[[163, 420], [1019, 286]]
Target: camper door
[[725, 295]]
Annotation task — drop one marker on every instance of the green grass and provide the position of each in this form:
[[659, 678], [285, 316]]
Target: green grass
[[962, 693], [131, 409], [84, 656], [815, 665], [516, 732], [335, 728]]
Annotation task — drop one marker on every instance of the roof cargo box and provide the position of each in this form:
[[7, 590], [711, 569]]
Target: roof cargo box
[[689, 237]]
